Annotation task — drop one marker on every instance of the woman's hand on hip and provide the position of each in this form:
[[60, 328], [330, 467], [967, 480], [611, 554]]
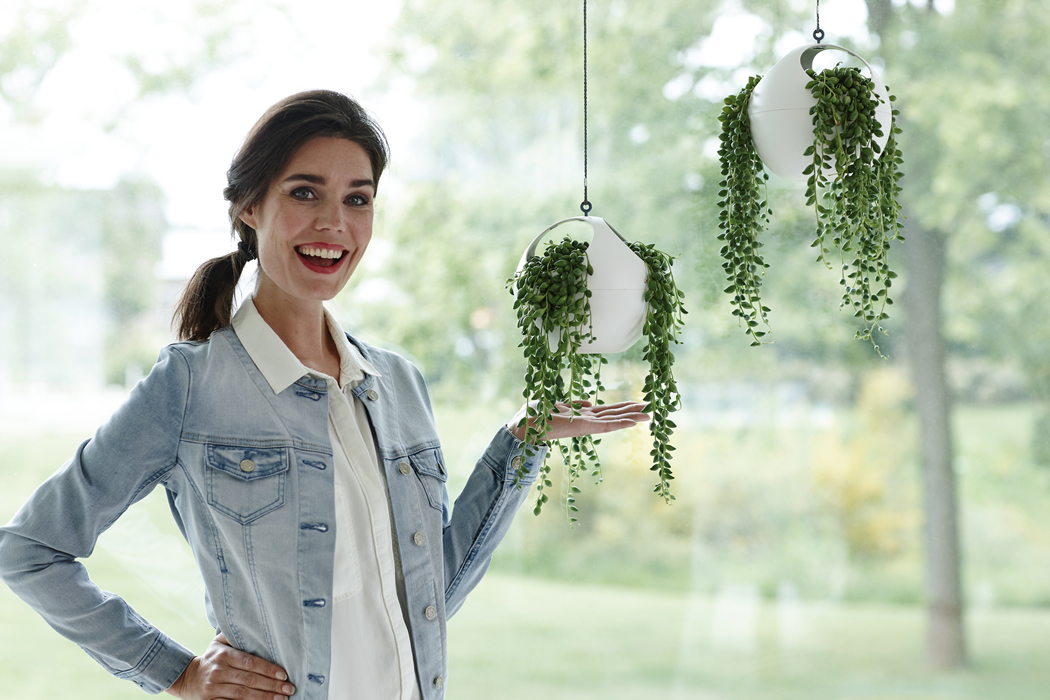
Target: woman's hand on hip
[[225, 673]]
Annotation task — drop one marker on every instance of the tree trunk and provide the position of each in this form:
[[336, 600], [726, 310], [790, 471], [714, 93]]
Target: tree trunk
[[925, 260]]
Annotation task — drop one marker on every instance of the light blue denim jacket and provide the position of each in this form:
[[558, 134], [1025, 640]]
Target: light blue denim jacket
[[263, 539]]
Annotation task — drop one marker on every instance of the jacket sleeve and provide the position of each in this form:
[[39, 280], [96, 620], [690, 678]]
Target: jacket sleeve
[[62, 520], [484, 512]]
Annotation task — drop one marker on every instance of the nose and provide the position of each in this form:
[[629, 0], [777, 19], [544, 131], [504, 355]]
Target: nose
[[331, 216]]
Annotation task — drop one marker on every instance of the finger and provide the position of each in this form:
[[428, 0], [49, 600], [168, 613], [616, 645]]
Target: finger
[[623, 409], [619, 405], [251, 664], [563, 406], [591, 425], [608, 426], [233, 683], [587, 406]]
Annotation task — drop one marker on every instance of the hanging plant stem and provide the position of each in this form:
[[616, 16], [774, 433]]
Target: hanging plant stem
[[744, 213], [552, 303], [663, 321]]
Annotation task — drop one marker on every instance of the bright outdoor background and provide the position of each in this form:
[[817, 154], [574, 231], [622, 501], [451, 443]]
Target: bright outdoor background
[[791, 564]]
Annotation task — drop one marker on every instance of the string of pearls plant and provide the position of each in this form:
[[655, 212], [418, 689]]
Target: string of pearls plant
[[852, 189], [552, 301]]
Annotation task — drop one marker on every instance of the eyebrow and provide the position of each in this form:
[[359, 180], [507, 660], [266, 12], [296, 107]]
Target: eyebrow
[[318, 180]]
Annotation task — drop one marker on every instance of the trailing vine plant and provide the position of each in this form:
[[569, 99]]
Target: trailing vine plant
[[552, 303], [744, 213], [663, 321], [858, 207], [852, 189]]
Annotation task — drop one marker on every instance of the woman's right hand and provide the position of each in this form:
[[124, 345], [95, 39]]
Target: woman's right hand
[[228, 673]]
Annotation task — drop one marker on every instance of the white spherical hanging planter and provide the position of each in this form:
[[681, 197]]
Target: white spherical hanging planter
[[617, 287], [779, 111]]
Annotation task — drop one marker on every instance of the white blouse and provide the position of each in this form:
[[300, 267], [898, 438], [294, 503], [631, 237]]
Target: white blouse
[[371, 648]]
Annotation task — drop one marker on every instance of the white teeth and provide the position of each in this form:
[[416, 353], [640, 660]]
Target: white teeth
[[312, 251]]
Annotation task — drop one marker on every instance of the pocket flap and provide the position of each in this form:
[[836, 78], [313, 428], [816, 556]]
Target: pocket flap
[[247, 463], [431, 463]]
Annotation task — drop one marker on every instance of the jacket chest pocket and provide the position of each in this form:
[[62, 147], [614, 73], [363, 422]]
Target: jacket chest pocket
[[430, 469], [246, 483]]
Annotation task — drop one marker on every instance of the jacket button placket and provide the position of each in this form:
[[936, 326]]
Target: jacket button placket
[[315, 543]]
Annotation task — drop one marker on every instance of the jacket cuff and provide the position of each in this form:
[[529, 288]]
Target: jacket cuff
[[161, 667], [507, 454]]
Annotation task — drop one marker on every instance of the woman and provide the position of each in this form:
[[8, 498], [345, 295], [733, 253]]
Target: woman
[[301, 465]]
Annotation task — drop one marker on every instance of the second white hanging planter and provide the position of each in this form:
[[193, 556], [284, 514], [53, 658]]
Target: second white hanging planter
[[779, 111], [617, 287]]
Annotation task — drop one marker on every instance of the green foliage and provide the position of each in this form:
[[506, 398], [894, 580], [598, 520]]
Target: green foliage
[[663, 322], [856, 206], [38, 39], [744, 212], [552, 299], [554, 317]]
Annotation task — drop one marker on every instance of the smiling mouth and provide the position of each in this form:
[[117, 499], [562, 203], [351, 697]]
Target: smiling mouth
[[320, 257]]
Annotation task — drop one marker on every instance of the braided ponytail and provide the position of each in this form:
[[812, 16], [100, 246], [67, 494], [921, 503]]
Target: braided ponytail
[[206, 304]]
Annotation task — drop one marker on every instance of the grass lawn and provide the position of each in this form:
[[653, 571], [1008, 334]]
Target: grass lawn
[[524, 637]]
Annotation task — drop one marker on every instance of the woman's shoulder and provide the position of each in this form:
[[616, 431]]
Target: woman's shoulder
[[382, 355], [194, 355], [389, 362]]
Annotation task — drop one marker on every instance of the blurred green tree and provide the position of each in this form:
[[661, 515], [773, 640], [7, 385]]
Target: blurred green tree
[[118, 231], [974, 103], [504, 159]]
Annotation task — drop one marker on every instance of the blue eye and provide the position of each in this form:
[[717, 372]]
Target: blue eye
[[357, 200], [302, 193]]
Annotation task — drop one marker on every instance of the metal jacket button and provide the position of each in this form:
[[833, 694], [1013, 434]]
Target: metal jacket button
[[247, 465], [404, 468], [439, 682], [516, 463], [431, 612], [419, 538], [372, 395]]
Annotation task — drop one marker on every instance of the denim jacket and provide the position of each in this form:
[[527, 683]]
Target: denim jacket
[[249, 477]]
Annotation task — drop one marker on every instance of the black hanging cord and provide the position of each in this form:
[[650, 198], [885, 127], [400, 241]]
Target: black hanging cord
[[585, 205], [818, 33]]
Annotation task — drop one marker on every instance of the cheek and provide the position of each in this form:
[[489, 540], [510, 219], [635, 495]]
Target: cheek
[[274, 231]]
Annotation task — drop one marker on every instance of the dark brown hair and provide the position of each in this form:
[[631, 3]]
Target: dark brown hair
[[207, 302]]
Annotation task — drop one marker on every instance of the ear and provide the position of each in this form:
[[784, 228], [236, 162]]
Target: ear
[[248, 216]]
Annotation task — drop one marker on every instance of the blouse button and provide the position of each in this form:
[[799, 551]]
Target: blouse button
[[247, 465], [404, 468], [431, 612], [419, 538]]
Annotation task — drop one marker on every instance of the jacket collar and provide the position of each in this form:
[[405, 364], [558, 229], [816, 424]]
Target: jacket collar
[[279, 365]]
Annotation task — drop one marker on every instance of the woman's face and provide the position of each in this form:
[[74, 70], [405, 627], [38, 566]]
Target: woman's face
[[314, 223]]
